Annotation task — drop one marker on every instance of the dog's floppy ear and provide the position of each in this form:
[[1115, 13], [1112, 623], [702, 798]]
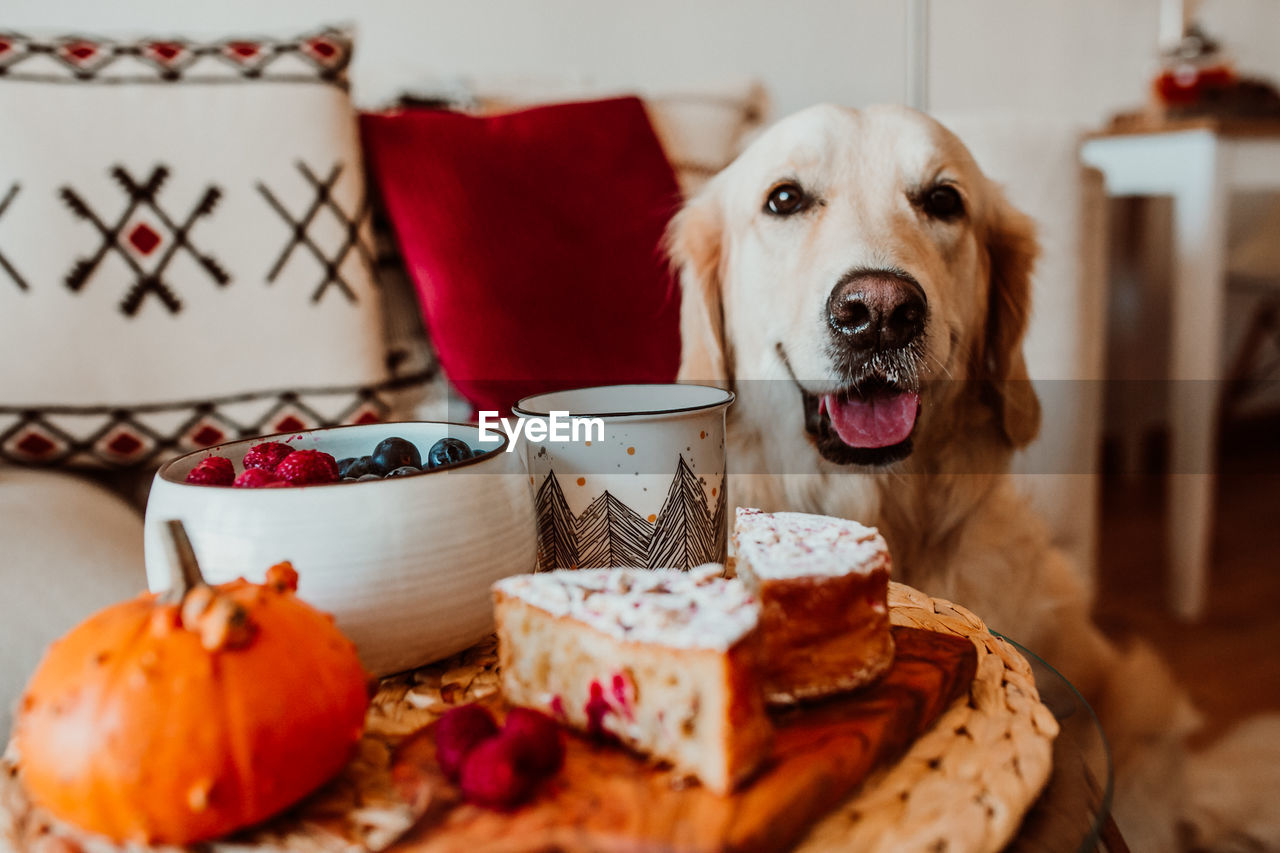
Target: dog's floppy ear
[[1012, 249], [694, 243]]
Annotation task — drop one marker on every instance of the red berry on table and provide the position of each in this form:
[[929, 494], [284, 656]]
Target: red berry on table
[[492, 775], [308, 467], [213, 471], [267, 455], [258, 478], [538, 739], [458, 732]]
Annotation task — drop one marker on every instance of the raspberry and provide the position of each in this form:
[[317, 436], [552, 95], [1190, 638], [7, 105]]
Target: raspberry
[[267, 455], [492, 776], [538, 740], [258, 478], [308, 467], [597, 708], [458, 732], [213, 471]]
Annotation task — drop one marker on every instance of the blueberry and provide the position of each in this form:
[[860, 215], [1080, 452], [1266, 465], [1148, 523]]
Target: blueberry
[[393, 453], [368, 477], [447, 451], [406, 471], [355, 467]]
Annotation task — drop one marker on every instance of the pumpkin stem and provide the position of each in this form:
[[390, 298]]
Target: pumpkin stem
[[184, 571]]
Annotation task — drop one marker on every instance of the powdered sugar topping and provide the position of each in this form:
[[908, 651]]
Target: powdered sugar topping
[[796, 545], [693, 609]]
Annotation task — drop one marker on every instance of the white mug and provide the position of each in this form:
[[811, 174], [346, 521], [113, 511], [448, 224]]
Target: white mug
[[642, 483]]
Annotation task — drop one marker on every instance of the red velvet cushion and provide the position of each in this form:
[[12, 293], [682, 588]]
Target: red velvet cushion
[[534, 241]]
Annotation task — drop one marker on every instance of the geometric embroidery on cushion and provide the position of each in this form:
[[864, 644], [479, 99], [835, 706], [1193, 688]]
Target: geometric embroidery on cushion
[[117, 437], [13, 48], [146, 237], [330, 259], [321, 57], [34, 441], [170, 57], [289, 416], [326, 52], [206, 429], [329, 408], [125, 442], [83, 57], [205, 434], [5, 265], [329, 52], [366, 412], [250, 57], [366, 408]]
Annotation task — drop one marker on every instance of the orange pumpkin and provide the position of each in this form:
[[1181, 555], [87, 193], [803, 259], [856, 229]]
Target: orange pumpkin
[[180, 717]]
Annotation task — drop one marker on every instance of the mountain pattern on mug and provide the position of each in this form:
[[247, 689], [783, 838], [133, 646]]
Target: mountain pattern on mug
[[686, 532]]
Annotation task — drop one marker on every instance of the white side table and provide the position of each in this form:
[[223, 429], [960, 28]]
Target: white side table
[[1199, 164]]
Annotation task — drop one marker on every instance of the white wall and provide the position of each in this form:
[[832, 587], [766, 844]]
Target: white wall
[[850, 51], [1079, 58]]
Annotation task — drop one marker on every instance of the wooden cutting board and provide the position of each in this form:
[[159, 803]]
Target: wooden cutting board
[[608, 799]]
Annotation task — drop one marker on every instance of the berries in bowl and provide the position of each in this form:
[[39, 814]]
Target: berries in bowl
[[402, 558], [275, 464]]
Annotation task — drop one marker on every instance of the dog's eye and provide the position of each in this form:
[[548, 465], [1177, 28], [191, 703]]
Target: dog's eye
[[786, 199], [943, 202]]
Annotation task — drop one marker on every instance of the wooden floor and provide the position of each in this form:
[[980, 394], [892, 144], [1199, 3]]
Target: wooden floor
[[1230, 660]]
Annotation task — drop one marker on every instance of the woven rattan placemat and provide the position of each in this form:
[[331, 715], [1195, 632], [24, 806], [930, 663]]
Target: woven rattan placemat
[[963, 786]]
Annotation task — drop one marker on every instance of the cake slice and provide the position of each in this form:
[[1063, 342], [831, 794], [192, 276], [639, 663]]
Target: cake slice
[[822, 584], [665, 661]]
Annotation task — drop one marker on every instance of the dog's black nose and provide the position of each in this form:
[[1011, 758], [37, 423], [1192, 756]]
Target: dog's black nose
[[873, 311]]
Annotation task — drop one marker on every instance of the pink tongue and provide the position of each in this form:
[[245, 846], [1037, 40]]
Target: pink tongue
[[878, 421]]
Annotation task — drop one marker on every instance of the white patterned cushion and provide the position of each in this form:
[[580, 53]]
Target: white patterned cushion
[[184, 230], [71, 549], [701, 128]]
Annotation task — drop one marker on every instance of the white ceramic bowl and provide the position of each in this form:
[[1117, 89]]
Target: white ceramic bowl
[[405, 564]]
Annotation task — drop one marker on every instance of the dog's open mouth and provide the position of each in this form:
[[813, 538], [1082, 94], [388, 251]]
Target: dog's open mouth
[[874, 420], [867, 424]]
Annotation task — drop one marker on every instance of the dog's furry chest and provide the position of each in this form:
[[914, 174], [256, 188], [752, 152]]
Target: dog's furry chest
[[784, 475], [921, 516]]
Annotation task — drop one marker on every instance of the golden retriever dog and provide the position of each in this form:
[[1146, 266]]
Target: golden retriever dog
[[864, 289]]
